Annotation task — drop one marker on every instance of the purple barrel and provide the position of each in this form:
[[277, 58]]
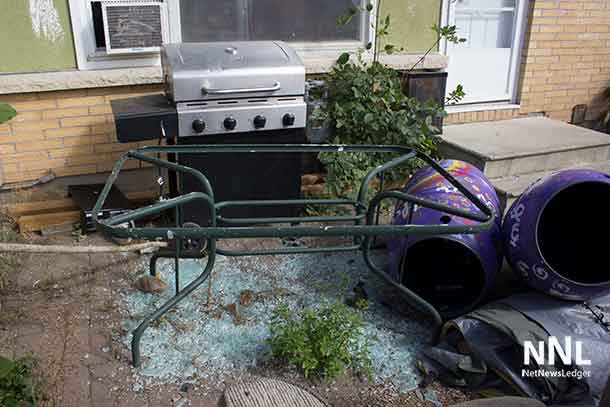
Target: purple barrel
[[451, 272], [555, 235]]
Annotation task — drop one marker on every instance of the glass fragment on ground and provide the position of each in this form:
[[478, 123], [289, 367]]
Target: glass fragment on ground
[[227, 339]]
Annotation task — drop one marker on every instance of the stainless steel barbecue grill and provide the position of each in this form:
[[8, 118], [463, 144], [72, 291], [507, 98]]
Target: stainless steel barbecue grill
[[234, 87], [227, 93]]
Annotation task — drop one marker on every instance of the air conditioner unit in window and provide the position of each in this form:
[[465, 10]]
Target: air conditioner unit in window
[[134, 26]]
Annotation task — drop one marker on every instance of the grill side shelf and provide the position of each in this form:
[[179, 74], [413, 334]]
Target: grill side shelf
[[141, 118]]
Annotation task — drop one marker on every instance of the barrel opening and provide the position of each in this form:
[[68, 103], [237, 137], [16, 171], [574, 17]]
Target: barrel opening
[[572, 232], [446, 273]]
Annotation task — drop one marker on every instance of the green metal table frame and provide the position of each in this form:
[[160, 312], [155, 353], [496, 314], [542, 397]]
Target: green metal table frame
[[361, 227]]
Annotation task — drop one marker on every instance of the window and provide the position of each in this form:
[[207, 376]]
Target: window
[[309, 25], [285, 20]]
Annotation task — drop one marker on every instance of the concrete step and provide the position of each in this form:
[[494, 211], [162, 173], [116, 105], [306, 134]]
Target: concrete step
[[510, 188], [524, 146]]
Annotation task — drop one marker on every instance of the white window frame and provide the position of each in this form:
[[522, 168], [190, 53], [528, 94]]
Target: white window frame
[[517, 46], [88, 57]]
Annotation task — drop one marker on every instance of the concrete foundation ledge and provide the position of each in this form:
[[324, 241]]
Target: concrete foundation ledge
[[315, 63]]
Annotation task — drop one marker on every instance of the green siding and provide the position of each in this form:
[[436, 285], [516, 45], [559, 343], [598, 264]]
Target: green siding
[[411, 23], [25, 51]]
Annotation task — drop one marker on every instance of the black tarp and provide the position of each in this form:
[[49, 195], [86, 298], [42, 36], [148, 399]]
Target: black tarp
[[485, 348]]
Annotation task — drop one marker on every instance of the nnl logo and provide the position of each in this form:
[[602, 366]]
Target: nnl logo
[[554, 348]]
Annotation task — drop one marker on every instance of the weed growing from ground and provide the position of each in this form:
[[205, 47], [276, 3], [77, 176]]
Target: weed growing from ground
[[321, 341], [9, 262], [16, 384]]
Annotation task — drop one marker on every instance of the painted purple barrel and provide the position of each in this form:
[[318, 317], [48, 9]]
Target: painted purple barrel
[[555, 235], [451, 272]]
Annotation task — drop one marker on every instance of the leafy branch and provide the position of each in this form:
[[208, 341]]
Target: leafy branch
[[381, 27], [448, 32], [455, 96]]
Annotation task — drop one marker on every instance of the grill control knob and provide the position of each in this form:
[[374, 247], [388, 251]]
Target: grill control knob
[[198, 126], [288, 119], [259, 122], [230, 123]]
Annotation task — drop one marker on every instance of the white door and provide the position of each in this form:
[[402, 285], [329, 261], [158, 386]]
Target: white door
[[486, 63]]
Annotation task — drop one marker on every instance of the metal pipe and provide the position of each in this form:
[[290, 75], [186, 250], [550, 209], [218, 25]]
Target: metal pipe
[[177, 253], [380, 169], [298, 231], [157, 208], [162, 310], [287, 250], [276, 148], [308, 219], [412, 299], [226, 204]]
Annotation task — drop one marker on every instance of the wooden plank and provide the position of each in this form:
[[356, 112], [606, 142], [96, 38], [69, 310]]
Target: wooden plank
[[142, 196], [35, 216], [19, 209], [32, 223], [64, 204], [36, 248], [56, 229]]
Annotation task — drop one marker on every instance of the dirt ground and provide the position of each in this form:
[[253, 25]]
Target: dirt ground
[[63, 311]]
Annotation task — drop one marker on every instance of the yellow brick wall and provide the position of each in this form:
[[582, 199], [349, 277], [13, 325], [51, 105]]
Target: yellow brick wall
[[68, 132], [481, 116], [566, 57]]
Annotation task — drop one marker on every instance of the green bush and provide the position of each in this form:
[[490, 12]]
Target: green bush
[[367, 105], [323, 341]]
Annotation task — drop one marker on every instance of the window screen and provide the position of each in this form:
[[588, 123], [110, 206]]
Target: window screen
[[284, 20]]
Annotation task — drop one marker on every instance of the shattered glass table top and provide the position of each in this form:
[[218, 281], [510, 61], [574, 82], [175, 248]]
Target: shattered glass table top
[[228, 338]]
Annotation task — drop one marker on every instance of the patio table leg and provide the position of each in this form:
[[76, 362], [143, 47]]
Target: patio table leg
[[192, 286], [153, 263], [412, 299]]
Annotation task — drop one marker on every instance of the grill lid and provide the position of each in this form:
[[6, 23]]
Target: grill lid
[[222, 70]]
